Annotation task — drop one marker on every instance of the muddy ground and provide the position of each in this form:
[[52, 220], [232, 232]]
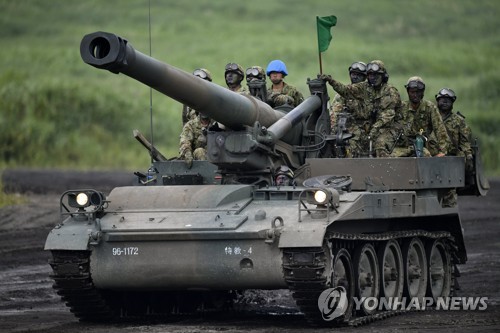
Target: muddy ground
[[29, 304]]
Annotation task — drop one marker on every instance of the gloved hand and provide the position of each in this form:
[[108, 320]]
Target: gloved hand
[[188, 159], [326, 77]]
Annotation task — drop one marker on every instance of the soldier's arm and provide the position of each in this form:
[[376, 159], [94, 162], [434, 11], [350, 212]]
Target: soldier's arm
[[465, 140], [439, 129], [185, 140], [350, 91]]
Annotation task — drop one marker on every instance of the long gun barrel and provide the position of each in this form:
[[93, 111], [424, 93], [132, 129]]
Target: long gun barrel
[[108, 51]]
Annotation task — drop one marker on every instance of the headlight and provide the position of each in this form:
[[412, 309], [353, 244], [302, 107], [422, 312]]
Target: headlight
[[323, 196], [320, 197], [82, 199], [85, 198]]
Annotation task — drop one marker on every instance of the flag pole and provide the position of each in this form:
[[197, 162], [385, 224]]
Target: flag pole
[[320, 64]]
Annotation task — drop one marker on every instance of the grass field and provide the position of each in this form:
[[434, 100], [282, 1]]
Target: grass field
[[59, 112]]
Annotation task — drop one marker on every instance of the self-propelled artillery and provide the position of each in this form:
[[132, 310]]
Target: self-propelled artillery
[[182, 239]]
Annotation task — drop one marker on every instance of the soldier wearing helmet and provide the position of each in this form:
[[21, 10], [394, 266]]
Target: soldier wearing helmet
[[357, 122], [284, 176], [256, 82], [458, 131], [187, 112], [377, 98], [460, 136], [281, 93], [193, 139], [233, 74], [420, 117]]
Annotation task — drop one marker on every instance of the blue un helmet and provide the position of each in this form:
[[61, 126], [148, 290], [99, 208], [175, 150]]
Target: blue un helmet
[[276, 66]]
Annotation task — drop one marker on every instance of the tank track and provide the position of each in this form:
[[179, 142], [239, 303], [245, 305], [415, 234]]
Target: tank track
[[307, 282], [72, 281]]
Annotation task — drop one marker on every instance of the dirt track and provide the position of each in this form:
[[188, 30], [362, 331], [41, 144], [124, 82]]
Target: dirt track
[[29, 304]]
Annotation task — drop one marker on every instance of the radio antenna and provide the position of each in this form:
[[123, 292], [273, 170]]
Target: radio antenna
[[150, 89]]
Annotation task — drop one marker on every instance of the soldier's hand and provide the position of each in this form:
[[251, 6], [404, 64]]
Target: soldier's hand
[[188, 159], [326, 77]]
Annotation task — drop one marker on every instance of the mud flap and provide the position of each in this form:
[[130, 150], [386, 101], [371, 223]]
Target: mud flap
[[476, 182]]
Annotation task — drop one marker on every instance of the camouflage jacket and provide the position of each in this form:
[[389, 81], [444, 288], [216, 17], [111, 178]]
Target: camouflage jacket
[[359, 118], [425, 117], [381, 104], [459, 133], [242, 90], [188, 114], [192, 136], [287, 90]]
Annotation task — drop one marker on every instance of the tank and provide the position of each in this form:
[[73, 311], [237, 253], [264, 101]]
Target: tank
[[184, 240]]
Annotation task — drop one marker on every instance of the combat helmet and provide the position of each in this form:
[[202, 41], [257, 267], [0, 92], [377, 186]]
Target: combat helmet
[[234, 67], [446, 92], [203, 73], [415, 82], [276, 66]]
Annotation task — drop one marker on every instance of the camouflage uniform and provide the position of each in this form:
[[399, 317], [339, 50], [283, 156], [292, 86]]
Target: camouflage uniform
[[425, 117], [278, 98], [460, 134], [358, 123], [193, 140], [242, 90], [381, 104], [188, 114]]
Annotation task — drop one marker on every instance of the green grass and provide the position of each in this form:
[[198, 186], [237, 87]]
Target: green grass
[[59, 112]]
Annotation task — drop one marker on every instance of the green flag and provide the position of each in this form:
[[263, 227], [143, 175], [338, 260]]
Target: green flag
[[324, 35]]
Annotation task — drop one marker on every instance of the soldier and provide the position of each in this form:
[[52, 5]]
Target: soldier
[[420, 117], [378, 99], [256, 82], [233, 74], [193, 139], [459, 134], [281, 93], [187, 112], [284, 176], [358, 122]]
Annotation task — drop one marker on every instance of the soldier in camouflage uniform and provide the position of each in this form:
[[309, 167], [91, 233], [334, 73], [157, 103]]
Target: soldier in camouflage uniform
[[193, 139], [233, 74], [459, 134], [281, 93], [187, 112], [256, 82], [417, 115], [378, 99], [358, 122]]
